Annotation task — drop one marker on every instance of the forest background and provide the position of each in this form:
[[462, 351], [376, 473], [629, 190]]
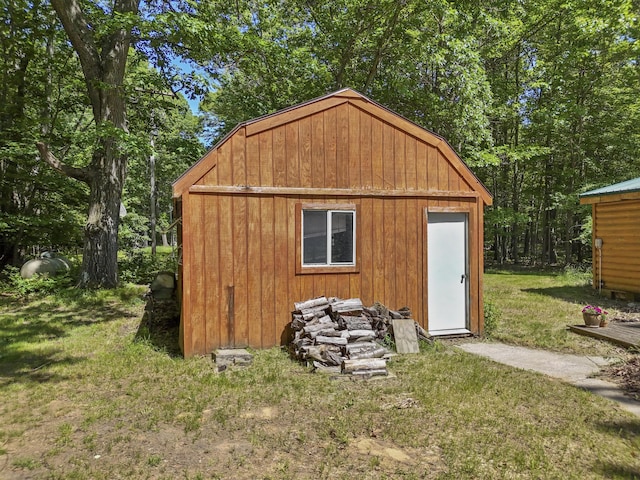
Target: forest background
[[541, 98]]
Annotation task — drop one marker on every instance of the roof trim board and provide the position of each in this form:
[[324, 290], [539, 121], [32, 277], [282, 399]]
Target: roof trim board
[[327, 192], [614, 197], [629, 189]]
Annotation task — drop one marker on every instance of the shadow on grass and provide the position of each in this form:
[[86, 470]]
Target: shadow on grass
[[581, 295], [628, 430], [26, 326], [537, 271], [29, 367], [611, 470], [159, 327]]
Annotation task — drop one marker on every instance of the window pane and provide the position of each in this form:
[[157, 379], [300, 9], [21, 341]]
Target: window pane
[[314, 230], [342, 237]]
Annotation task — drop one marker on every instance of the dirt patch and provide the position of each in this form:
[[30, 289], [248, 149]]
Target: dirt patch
[[627, 376], [627, 313], [385, 457], [264, 413]]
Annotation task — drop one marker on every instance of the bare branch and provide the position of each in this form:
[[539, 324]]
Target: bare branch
[[81, 174]]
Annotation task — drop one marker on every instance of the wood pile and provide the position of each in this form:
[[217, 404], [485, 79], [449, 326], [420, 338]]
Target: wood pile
[[344, 336]]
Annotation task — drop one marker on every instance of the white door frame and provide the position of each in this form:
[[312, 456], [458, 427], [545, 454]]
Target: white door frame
[[460, 325]]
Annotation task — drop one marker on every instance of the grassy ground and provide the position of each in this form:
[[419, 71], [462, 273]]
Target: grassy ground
[[535, 308], [85, 395]]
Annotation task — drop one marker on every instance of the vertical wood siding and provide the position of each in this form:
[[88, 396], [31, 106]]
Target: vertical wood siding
[[252, 251], [618, 225], [239, 277]]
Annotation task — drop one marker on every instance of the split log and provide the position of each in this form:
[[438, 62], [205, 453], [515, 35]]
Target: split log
[[314, 352], [325, 368], [360, 333], [375, 353], [297, 323], [360, 322], [331, 340], [382, 372], [316, 327], [362, 338], [359, 345], [370, 311], [314, 302], [352, 305], [308, 314], [422, 333], [327, 332], [332, 358], [350, 366], [300, 342]]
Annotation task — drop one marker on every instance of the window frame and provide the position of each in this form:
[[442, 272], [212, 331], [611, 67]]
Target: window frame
[[354, 267]]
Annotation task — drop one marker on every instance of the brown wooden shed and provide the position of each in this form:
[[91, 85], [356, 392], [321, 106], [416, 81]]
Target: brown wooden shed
[[616, 237], [337, 196]]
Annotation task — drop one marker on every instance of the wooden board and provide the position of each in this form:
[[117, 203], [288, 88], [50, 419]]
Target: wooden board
[[404, 332], [625, 334]]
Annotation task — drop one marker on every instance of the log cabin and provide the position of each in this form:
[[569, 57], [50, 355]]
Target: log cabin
[[337, 196], [615, 211]]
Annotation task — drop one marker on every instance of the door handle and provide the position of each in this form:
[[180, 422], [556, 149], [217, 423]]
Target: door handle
[[462, 277]]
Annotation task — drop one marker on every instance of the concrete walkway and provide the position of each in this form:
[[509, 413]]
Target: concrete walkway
[[574, 369]]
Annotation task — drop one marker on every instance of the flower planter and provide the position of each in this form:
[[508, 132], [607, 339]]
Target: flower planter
[[604, 321], [591, 319]]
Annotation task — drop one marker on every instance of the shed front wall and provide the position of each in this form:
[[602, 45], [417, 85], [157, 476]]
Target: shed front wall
[[617, 224], [239, 278]]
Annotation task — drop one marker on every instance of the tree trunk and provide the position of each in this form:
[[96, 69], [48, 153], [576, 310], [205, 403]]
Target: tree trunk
[[100, 253], [153, 196]]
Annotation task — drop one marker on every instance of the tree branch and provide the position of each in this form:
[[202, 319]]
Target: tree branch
[[115, 46], [81, 174], [81, 35]]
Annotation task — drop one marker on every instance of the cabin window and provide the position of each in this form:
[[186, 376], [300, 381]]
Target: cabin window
[[328, 237]]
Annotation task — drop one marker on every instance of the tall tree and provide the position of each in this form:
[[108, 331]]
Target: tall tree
[[101, 41], [418, 58], [38, 92]]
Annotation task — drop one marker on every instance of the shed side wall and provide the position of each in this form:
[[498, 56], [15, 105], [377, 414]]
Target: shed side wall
[[618, 225]]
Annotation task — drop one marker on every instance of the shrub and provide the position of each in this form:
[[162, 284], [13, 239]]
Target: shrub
[[12, 282], [491, 317], [141, 267]]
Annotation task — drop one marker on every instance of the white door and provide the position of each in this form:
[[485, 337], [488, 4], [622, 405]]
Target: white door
[[448, 273]]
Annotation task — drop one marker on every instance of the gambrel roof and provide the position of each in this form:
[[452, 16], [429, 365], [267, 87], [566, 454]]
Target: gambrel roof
[[354, 143]]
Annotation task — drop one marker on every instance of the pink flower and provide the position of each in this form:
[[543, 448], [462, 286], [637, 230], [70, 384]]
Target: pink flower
[[595, 310]]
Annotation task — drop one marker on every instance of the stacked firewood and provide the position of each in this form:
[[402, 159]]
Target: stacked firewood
[[343, 335]]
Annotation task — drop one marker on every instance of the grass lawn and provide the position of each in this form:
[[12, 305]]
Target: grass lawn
[[85, 395], [535, 309]]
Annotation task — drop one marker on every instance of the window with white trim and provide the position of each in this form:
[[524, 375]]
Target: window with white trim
[[328, 237]]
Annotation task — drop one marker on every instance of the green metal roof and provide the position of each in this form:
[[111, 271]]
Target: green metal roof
[[632, 185]]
